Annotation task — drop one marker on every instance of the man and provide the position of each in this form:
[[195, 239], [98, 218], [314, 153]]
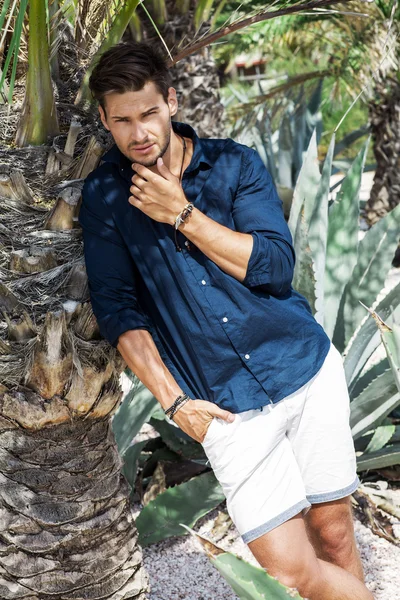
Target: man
[[206, 309]]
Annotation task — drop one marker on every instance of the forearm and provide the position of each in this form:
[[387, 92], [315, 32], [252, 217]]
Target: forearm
[[230, 250], [140, 353]]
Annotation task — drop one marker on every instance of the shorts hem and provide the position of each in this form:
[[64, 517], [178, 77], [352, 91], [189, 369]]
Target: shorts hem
[[325, 497], [251, 535]]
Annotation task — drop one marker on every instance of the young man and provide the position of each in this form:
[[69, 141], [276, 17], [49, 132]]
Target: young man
[[207, 309]]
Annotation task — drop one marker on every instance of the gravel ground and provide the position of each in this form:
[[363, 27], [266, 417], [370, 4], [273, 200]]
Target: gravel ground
[[179, 569]]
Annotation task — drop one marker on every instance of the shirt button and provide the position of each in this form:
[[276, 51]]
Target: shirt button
[[247, 356], [225, 319], [203, 282]]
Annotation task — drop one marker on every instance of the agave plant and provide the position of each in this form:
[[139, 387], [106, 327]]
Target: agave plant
[[339, 45], [338, 272]]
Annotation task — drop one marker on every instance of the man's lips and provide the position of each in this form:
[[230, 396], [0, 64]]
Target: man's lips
[[142, 148]]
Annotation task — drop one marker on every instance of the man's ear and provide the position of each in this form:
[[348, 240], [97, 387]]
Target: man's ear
[[103, 117], [172, 101]]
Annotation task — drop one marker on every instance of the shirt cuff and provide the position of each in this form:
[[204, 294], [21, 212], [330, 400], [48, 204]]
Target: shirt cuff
[[258, 268], [114, 326]]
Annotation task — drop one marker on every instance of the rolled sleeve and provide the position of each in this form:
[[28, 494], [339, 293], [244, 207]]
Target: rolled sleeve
[[112, 273], [258, 210]]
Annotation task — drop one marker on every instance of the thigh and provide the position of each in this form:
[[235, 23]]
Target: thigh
[[320, 434], [255, 465]]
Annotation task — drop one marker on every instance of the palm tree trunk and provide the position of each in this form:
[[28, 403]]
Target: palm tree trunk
[[384, 112], [67, 530]]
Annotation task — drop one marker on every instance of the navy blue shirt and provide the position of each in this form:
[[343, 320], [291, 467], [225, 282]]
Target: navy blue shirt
[[239, 344]]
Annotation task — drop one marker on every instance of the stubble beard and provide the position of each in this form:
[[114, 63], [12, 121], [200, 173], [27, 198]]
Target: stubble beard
[[164, 147]]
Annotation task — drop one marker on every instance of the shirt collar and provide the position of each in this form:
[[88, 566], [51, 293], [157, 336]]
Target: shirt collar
[[201, 153]]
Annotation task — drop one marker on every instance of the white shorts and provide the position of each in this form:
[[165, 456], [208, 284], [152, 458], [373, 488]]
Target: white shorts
[[276, 462]]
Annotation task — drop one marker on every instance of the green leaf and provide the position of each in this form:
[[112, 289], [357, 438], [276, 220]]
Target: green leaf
[[250, 582], [380, 459], [381, 437], [342, 245], [361, 443], [131, 462], [304, 276], [202, 13], [184, 503], [318, 232], [367, 338], [373, 404], [306, 186], [135, 410], [362, 382], [391, 341], [375, 253]]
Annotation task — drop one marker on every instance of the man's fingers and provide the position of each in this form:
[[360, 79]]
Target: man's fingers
[[225, 415], [215, 411]]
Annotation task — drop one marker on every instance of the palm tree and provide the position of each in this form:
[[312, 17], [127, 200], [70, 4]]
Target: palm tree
[[361, 52]]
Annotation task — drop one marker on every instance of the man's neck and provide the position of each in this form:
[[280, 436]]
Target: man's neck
[[176, 150]]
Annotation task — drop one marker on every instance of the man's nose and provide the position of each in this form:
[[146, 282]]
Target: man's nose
[[138, 135]]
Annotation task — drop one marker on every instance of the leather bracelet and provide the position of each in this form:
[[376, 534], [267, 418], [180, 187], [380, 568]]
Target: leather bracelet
[[185, 212], [183, 215], [182, 403], [175, 404]]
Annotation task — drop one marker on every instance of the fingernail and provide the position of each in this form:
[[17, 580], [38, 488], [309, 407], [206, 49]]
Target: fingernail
[[231, 418]]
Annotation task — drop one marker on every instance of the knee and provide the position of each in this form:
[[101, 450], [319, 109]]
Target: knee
[[337, 541], [304, 577]]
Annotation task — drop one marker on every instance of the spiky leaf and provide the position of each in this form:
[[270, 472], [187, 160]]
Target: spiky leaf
[[375, 253], [184, 503], [304, 276], [318, 231], [248, 581], [380, 459], [373, 404], [367, 338], [306, 186], [135, 410], [342, 245]]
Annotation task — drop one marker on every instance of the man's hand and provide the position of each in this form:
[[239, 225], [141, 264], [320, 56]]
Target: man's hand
[[161, 197], [195, 416]]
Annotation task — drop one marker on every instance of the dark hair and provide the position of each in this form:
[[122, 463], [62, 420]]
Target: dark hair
[[127, 67]]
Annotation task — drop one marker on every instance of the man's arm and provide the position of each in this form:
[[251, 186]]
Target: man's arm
[[260, 252], [229, 249], [110, 269], [140, 353]]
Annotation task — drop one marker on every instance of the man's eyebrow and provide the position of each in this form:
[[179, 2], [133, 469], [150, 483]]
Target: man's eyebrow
[[142, 115]]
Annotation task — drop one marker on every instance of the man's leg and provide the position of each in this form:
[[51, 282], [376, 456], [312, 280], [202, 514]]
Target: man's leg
[[287, 554], [330, 528]]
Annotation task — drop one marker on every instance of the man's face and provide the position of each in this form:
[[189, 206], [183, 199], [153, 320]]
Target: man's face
[[139, 119]]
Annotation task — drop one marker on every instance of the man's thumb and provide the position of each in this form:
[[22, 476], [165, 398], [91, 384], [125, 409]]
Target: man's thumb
[[162, 168], [225, 415]]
